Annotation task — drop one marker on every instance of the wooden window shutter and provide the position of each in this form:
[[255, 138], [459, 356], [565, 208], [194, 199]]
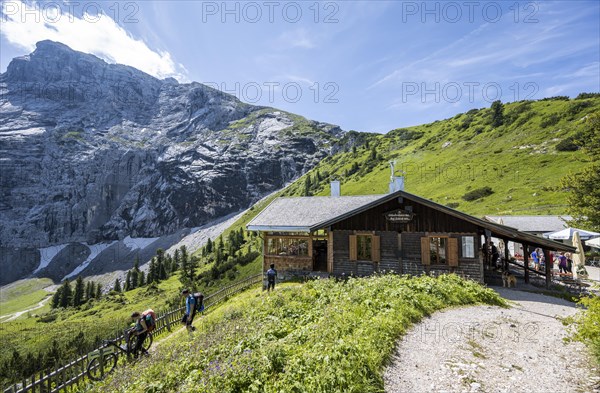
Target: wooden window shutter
[[452, 251], [375, 249], [425, 251], [353, 250]]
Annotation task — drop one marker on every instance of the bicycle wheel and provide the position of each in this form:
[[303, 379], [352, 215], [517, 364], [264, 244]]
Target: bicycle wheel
[[148, 342], [97, 371], [146, 345]]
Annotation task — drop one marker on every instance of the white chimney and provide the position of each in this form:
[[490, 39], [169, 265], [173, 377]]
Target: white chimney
[[335, 188], [396, 182]]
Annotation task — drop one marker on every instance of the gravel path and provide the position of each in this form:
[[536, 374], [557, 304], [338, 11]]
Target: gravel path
[[491, 349]]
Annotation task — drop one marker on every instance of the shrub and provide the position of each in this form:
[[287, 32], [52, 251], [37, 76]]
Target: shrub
[[582, 96], [550, 120], [586, 325], [477, 194], [567, 144]]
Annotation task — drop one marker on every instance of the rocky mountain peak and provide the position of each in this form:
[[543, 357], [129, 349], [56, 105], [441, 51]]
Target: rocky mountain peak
[[95, 152]]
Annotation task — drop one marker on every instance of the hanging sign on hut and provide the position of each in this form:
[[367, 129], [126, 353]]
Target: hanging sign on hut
[[399, 216]]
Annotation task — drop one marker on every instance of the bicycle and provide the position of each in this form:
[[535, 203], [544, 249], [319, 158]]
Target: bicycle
[[104, 360]]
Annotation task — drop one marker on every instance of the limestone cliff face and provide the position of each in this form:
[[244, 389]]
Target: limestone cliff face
[[93, 152]]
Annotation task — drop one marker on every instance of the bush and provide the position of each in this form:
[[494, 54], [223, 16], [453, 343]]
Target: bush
[[550, 120], [567, 144], [582, 96], [576, 107], [477, 194], [405, 135], [586, 325], [323, 336]]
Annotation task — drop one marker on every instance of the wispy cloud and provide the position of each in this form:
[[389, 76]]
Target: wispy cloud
[[24, 24], [298, 38]]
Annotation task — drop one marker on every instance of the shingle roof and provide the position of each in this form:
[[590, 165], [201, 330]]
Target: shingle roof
[[307, 214], [532, 223], [303, 213]]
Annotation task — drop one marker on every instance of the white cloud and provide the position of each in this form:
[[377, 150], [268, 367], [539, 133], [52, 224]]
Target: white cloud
[[299, 38], [24, 24]]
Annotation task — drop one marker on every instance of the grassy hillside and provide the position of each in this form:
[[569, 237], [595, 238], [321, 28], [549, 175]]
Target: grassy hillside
[[521, 161], [323, 336]]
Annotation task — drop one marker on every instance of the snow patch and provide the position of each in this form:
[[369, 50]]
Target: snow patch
[[95, 250], [47, 254], [135, 243]]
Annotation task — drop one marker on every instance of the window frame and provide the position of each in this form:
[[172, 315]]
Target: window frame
[[438, 263], [463, 244]]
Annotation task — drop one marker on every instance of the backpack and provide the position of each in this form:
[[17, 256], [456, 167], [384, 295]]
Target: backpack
[[199, 298], [149, 317]]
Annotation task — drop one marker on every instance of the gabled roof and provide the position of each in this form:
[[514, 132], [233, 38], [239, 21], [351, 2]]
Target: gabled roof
[[307, 214], [538, 224]]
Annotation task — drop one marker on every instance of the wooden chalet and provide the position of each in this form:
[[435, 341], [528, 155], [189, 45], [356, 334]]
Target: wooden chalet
[[399, 232]]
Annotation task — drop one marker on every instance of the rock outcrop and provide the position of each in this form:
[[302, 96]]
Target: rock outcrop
[[95, 152]]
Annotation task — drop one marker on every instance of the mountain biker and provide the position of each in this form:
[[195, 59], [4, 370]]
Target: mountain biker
[[190, 310], [141, 331]]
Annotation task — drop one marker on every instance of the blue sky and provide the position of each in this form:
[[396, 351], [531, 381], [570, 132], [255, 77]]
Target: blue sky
[[364, 65]]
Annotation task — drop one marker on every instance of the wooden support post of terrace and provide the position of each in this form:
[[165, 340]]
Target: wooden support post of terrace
[[506, 255], [549, 263], [526, 262]]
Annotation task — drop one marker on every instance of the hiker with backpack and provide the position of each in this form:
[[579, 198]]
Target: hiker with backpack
[[144, 324], [271, 276], [194, 303]]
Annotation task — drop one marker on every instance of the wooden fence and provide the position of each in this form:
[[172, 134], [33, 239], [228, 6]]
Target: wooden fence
[[74, 373]]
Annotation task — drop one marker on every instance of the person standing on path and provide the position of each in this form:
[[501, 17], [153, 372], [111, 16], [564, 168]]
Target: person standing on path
[[271, 276], [190, 310]]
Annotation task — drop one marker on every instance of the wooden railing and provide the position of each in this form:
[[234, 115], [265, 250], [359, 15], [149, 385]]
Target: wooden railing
[[63, 378]]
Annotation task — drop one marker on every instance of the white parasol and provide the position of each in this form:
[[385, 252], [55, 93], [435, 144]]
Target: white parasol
[[579, 257]]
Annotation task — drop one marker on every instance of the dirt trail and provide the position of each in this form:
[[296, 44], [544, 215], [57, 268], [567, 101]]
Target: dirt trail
[[16, 315], [491, 349]]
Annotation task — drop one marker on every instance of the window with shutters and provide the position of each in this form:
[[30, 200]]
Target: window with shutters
[[438, 250], [364, 247], [468, 246]]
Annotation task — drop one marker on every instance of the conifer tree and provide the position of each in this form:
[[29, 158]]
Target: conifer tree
[[66, 294], [128, 281], [79, 292], [117, 287], [98, 291], [141, 279], [209, 246]]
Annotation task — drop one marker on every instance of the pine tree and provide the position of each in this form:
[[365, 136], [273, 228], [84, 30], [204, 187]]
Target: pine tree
[[98, 291], [92, 290], [584, 193], [373, 155], [79, 292], [152, 271], [134, 278], [88, 290], [162, 271], [497, 113], [141, 279], [128, 281], [307, 186], [56, 298], [66, 294], [160, 264], [209, 246], [117, 287]]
